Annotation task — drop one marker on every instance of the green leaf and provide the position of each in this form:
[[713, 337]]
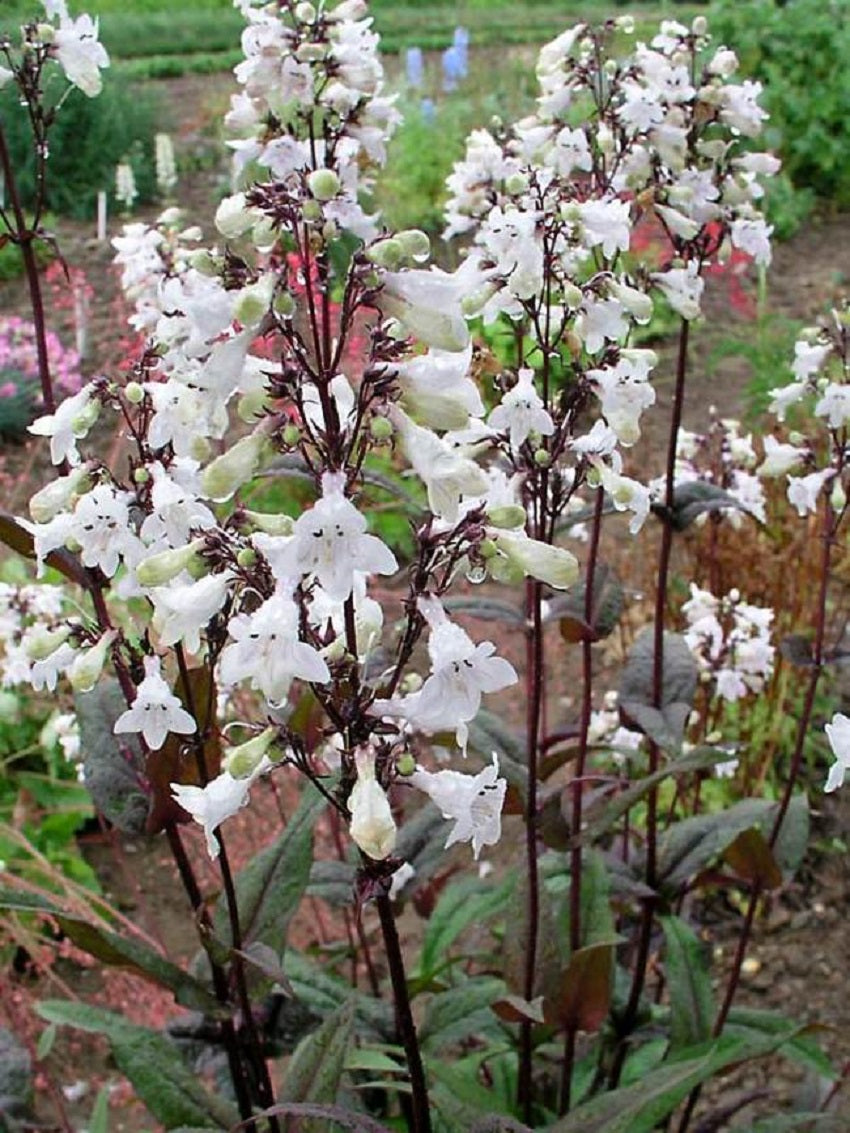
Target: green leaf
[[461, 904], [751, 858], [343, 1118], [99, 1120], [113, 770], [460, 1098], [693, 499], [153, 1065], [793, 840], [665, 724], [600, 818], [640, 1107], [597, 917], [118, 951], [325, 994], [689, 984], [802, 1047], [460, 1013], [488, 609], [270, 888], [45, 1041], [318, 1063]]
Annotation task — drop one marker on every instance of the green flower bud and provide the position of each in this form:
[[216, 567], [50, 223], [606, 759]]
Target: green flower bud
[[141, 476], [291, 435], [552, 565], [406, 764], [381, 428], [323, 184], [516, 184], [284, 304], [87, 666], [311, 210], [43, 642], [205, 263], [387, 254], [199, 449], [159, 569], [228, 472], [270, 523], [311, 52], [542, 458], [246, 558], [509, 515], [488, 549], [233, 218], [414, 244], [58, 494], [134, 393], [252, 405], [242, 761], [254, 301], [305, 12]]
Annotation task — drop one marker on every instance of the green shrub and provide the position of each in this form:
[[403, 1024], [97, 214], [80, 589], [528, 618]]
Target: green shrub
[[799, 50], [90, 136]]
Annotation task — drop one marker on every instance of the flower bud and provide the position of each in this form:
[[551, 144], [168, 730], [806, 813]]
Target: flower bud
[[270, 523], [310, 52], [552, 565], [305, 12], [246, 558], [46, 33], [57, 495], [405, 764], [228, 472], [516, 184], [372, 825], [291, 435], [284, 305], [381, 428], [542, 458], [323, 184], [415, 244], [252, 405], [159, 569], [199, 448], [637, 303], [387, 254], [87, 666], [254, 301], [243, 760], [699, 25], [264, 234], [838, 497], [233, 217], [134, 393], [86, 418], [507, 515], [43, 642], [349, 10], [311, 210], [205, 263]]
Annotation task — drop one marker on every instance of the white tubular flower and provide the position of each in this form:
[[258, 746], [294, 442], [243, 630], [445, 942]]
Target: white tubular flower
[[330, 541], [552, 565], [176, 511], [838, 734], [428, 304], [219, 800], [473, 802], [182, 610], [372, 825], [243, 760], [71, 422], [267, 651], [79, 53], [461, 672], [228, 472], [779, 458], [56, 496], [626, 494], [156, 711], [45, 673], [805, 491], [522, 412], [683, 288], [752, 235], [808, 358], [101, 526], [783, 398], [834, 405], [435, 387], [448, 475]]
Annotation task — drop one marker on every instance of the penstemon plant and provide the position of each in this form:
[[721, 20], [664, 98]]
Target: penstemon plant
[[311, 346]]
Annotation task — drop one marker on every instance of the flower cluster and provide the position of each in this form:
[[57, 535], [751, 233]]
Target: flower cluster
[[730, 640], [73, 43], [19, 358]]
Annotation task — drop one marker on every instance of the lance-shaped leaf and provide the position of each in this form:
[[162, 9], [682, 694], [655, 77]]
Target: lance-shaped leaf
[[488, 609], [802, 1046], [461, 904], [330, 1117], [751, 858], [584, 995], [270, 888], [600, 819], [318, 1063], [693, 499], [665, 723], [607, 602], [689, 985], [639, 1108], [152, 1063], [454, 1016], [113, 767]]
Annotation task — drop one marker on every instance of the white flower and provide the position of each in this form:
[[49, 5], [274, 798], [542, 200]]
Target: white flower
[[461, 672], [266, 649], [448, 475], [838, 734], [779, 458], [372, 825], [71, 421], [183, 609], [220, 799], [176, 509], [428, 303], [473, 802], [330, 541], [79, 53], [101, 526], [553, 565], [522, 412], [156, 711], [834, 404], [753, 237], [683, 288], [804, 491]]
